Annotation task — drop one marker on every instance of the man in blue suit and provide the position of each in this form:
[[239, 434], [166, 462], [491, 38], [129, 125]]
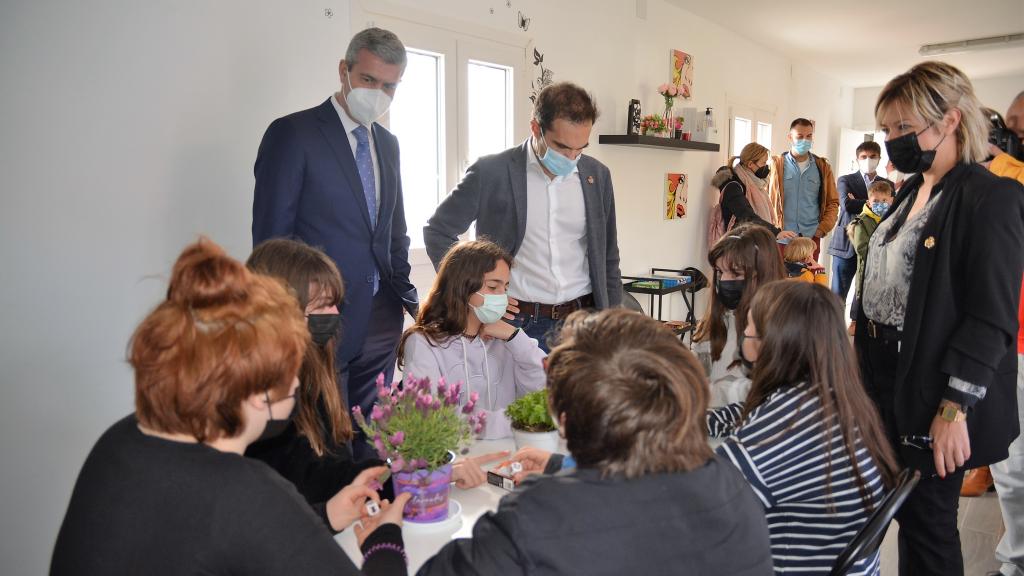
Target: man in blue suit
[[329, 176]]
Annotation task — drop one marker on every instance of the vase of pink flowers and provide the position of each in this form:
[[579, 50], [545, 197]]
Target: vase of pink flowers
[[669, 93], [417, 429]]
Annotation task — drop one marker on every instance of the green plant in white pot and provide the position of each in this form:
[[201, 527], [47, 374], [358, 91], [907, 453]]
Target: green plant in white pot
[[531, 422]]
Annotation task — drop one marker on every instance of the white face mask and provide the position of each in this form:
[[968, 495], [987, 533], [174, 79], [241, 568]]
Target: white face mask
[[365, 104], [867, 165]]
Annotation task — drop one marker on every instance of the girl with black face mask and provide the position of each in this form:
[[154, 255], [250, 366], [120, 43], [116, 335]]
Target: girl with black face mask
[[938, 303], [743, 184], [743, 260], [310, 445]]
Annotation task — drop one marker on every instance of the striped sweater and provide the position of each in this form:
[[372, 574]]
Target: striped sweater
[[781, 451]]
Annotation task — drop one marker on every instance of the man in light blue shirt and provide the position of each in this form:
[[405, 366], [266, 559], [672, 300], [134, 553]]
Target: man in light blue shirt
[[802, 189]]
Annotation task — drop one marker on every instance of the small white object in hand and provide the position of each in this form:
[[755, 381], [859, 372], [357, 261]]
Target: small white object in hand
[[516, 467], [372, 508]]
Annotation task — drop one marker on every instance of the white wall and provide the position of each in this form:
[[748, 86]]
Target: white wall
[[603, 46], [996, 93], [128, 129], [131, 127]]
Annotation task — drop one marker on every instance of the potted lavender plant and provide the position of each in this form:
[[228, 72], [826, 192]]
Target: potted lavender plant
[[418, 432]]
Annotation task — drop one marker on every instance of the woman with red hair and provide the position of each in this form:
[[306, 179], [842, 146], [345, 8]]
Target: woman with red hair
[[166, 489]]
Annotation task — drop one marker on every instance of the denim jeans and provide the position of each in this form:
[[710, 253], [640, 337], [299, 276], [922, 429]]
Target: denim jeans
[[538, 328]]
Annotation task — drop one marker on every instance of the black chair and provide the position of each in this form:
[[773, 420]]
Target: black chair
[[630, 302], [869, 538]]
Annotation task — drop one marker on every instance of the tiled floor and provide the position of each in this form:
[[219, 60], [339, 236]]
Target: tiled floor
[[981, 526]]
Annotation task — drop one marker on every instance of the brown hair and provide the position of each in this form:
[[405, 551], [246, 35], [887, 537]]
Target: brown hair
[[222, 335], [880, 186], [800, 122], [301, 266], [444, 312], [798, 249], [868, 146], [564, 100], [749, 249], [929, 90], [634, 398], [803, 339]]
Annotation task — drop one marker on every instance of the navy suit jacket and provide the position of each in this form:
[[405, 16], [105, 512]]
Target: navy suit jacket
[[849, 184], [308, 187]]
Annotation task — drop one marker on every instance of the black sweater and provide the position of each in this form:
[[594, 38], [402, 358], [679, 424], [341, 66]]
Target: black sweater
[[146, 505], [734, 203], [706, 521], [317, 478]]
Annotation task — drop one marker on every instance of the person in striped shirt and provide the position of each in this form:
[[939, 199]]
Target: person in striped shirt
[[807, 438]]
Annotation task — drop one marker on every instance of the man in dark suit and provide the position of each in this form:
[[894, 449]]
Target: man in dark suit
[[551, 207], [853, 193], [330, 176]]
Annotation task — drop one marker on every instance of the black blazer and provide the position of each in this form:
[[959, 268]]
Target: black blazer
[[961, 317], [706, 521]]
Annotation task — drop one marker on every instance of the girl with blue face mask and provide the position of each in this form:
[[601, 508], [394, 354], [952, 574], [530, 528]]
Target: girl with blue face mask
[[460, 335]]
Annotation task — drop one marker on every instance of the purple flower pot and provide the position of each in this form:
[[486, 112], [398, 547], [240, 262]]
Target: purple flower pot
[[430, 490]]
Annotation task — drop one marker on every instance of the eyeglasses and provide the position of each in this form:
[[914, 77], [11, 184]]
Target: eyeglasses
[[266, 394]]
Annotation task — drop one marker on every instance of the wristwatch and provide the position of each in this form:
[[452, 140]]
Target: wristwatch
[[951, 413]]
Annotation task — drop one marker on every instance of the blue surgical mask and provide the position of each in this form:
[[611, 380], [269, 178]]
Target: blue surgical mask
[[492, 309], [880, 208], [802, 147], [558, 164]]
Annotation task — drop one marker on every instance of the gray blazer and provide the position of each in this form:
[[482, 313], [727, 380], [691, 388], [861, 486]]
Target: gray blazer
[[494, 189]]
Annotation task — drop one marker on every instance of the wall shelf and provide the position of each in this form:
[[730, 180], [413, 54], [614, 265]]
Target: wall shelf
[[656, 142]]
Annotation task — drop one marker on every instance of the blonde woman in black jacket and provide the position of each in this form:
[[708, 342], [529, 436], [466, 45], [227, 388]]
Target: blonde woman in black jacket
[[938, 306]]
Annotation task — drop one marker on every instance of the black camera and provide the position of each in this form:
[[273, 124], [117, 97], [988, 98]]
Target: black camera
[[1004, 138]]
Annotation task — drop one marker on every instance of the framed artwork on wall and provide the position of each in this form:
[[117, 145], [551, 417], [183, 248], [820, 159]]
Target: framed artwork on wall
[[676, 192], [682, 72]]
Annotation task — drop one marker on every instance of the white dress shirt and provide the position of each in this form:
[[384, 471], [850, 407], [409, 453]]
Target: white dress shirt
[[351, 125], [552, 266]]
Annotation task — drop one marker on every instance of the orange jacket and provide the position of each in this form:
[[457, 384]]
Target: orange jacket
[[1009, 167], [829, 201]]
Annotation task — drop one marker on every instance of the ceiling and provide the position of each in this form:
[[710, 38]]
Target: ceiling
[[867, 42]]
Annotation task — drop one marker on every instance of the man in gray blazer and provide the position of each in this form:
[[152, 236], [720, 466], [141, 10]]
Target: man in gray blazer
[[551, 207]]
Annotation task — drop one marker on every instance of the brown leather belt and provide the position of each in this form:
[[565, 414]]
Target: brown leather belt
[[556, 311]]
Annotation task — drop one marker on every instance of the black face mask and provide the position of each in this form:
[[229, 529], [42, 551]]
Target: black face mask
[[276, 427], [762, 172], [323, 327], [730, 292], [906, 155]]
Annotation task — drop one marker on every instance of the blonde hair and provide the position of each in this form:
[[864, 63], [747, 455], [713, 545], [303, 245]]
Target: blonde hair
[[751, 153], [930, 89], [798, 249]]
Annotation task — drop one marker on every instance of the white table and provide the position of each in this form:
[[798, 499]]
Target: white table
[[419, 547]]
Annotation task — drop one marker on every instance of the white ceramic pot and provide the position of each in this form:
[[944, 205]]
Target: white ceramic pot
[[543, 440]]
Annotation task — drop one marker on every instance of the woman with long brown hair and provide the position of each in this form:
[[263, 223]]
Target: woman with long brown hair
[[311, 450], [807, 437], [743, 260], [459, 334]]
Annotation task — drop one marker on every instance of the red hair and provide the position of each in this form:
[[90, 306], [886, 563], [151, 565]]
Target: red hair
[[222, 335]]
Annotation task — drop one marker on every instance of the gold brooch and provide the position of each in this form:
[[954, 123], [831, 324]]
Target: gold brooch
[[590, 179], [929, 242]]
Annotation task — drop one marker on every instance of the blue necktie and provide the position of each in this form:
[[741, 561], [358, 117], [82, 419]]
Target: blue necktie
[[364, 162]]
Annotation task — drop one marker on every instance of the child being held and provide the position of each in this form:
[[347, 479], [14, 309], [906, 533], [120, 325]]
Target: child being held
[[800, 262], [860, 229]]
